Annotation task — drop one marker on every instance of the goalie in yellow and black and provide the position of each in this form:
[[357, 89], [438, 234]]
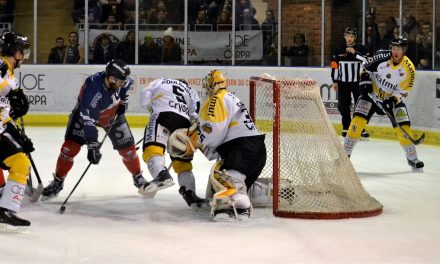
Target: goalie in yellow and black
[[228, 134]]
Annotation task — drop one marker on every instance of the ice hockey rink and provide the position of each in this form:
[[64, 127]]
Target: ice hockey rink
[[106, 221]]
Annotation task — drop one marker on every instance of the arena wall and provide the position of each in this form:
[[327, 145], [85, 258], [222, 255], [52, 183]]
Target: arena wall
[[52, 92]]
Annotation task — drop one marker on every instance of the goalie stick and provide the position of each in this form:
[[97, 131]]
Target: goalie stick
[[394, 122]]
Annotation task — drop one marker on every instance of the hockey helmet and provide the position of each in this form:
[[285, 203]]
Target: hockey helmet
[[214, 81], [350, 31], [12, 42], [117, 68], [400, 42]]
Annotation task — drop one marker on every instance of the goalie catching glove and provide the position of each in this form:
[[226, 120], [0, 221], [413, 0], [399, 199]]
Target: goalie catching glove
[[183, 142]]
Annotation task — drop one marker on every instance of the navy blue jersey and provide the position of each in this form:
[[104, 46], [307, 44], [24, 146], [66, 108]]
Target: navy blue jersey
[[97, 105]]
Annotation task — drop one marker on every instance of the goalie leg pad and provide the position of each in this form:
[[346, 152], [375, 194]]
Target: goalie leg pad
[[20, 167], [221, 182], [261, 192]]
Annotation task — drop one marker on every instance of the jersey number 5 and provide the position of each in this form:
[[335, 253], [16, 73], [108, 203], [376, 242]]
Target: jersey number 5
[[177, 90]]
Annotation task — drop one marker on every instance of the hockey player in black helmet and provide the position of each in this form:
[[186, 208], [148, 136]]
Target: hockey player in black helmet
[[345, 75], [102, 102], [13, 145], [388, 77]]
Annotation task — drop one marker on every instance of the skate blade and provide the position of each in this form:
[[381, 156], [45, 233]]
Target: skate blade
[[224, 217], [46, 198], [154, 187], [418, 170], [364, 139], [37, 193], [5, 228], [149, 195]]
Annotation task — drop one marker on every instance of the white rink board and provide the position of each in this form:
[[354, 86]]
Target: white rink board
[[53, 89]]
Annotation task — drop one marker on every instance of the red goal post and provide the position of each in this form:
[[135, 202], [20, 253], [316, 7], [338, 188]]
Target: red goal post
[[310, 173]]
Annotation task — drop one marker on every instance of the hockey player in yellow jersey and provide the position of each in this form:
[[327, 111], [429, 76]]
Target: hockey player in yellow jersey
[[13, 144], [227, 133], [387, 78]]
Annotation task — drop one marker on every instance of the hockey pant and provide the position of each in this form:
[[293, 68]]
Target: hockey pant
[[18, 165], [120, 136], [156, 136]]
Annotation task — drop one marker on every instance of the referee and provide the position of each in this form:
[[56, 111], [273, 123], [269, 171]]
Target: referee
[[345, 75]]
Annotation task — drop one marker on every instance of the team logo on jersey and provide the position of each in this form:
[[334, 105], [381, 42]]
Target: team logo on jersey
[[207, 128], [389, 75]]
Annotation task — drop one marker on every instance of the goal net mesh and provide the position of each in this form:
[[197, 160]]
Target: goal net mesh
[[311, 175]]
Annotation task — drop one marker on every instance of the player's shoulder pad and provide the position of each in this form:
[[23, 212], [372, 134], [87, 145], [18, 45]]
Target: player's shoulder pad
[[378, 57], [3, 67]]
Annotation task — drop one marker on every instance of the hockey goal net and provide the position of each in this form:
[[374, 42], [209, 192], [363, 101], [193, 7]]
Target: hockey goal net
[[311, 175]]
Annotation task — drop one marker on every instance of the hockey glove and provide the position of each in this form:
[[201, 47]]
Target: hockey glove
[[365, 85], [389, 103], [123, 105], [19, 103], [26, 144], [93, 153]]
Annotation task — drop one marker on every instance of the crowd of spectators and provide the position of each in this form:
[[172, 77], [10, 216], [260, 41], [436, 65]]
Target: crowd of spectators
[[418, 33]]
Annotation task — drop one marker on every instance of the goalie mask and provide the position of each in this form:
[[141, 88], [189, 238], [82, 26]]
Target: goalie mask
[[213, 82]]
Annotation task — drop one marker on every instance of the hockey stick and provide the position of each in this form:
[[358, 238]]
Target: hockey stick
[[39, 190], [394, 122], [63, 206], [139, 142]]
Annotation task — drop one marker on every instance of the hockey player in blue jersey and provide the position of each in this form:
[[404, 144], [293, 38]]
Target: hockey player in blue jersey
[[102, 99]]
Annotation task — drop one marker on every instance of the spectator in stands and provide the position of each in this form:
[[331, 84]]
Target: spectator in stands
[[387, 36], [202, 23], [299, 52], [171, 51], [117, 10], [57, 53], [79, 9], [111, 23], [424, 64], [372, 42], [248, 21], [7, 11], [213, 10], [175, 11], [411, 28], [149, 51], [270, 51], [269, 26], [386, 39], [224, 22], [74, 52], [104, 51], [370, 21], [125, 48], [240, 6]]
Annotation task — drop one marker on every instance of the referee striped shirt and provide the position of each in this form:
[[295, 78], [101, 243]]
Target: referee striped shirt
[[346, 66]]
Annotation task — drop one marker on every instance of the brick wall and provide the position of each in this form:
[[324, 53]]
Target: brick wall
[[305, 16]]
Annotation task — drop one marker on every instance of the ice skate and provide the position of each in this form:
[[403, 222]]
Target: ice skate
[[365, 136], [162, 181], [344, 133], [53, 189], [11, 223], [139, 180], [191, 198], [416, 165]]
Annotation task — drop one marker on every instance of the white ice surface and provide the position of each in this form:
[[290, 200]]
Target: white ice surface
[[106, 221]]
